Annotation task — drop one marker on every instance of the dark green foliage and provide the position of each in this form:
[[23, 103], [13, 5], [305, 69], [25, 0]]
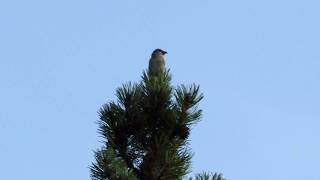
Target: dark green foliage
[[208, 176], [108, 166], [146, 130]]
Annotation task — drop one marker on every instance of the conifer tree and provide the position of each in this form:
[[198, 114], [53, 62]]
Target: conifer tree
[[146, 131]]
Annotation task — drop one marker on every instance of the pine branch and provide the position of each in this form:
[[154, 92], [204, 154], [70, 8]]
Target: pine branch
[[208, 176], [109, 167], [146, 130]]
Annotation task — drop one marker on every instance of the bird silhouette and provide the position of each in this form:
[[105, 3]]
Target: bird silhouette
[[157, 62]]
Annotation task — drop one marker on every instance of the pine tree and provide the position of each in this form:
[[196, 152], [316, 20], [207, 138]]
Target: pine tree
[[146, 131]]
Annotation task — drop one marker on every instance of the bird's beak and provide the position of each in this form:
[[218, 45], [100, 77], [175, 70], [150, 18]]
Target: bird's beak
[[164, 52]]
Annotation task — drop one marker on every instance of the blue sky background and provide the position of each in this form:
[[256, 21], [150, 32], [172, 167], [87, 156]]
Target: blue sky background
[[257, 63]]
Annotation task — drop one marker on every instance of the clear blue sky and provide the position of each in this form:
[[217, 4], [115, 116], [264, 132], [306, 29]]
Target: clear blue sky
[[258, 64]]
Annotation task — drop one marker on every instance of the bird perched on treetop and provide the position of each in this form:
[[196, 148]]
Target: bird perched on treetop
[[156, 62]]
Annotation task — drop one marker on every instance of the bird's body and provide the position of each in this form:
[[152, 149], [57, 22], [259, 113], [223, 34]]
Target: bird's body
[[157, 62]]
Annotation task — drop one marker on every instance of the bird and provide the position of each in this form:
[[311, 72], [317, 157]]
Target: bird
[[156, 62]]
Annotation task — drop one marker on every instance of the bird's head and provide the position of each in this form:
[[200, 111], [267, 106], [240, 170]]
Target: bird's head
[[157, 52]]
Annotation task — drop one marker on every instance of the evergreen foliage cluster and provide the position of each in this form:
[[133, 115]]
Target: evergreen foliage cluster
[[146, 131]]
